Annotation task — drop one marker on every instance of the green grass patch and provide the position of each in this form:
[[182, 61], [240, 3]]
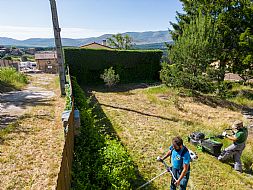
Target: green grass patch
[[8, 129], [11, 79], [242, 95]]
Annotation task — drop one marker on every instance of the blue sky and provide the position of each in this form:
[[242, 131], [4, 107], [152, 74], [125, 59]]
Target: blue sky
[[22, 19]]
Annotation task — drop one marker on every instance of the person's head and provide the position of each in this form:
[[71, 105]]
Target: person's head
[[177, 143], [237, 125]]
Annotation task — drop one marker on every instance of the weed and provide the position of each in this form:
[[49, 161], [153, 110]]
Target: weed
[[9, 77], [11, 127]]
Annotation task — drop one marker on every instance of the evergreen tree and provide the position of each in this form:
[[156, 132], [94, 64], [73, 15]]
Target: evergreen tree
[[191, 55], [232, 19]]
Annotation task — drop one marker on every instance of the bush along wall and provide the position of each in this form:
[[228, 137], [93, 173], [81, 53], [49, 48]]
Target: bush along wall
[[131, 65], [100, 160]]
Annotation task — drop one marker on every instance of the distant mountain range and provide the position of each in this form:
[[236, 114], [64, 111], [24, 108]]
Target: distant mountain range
[[139, 38]]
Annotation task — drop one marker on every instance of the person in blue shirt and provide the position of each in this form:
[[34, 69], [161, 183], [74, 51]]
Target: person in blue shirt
[[180, 159]]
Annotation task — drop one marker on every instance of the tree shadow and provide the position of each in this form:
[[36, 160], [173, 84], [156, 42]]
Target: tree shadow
[[120, 87], [24, 99], [174, 119], [5, 120], [11, 125], [215, 102], [248, 94], [5, 87]]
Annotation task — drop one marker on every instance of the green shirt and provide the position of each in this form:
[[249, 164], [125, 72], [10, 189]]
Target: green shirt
[[241, 135]]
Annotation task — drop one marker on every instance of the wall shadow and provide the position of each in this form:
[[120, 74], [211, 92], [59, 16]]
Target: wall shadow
[[104, 120]]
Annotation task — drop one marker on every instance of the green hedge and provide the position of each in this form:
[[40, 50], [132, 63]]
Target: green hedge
[[131, 65]]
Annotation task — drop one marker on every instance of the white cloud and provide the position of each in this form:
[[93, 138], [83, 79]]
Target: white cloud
[[22, 33]]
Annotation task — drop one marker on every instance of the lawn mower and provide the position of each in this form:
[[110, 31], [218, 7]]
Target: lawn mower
[[209, 145]]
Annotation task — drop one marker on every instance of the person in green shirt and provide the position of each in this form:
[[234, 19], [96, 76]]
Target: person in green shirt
[[239, 139]]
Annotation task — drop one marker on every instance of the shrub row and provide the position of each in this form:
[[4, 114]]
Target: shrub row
[[131, 65], [100, 161]]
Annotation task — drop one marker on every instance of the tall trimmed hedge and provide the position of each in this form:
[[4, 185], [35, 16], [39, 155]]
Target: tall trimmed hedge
[[131, 65]]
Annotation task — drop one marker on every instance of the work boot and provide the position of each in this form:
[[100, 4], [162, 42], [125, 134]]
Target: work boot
[[238, 167]]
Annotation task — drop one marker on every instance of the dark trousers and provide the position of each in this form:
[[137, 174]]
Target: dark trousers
[[183, 182]]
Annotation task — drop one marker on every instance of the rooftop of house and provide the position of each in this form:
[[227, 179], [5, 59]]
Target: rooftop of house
[[95, 43]]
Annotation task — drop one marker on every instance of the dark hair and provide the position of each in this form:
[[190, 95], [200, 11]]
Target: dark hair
[[177, 141]]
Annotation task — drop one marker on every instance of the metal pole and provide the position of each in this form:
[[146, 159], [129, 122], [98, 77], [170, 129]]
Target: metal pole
[[58, 44], [168, 168], [152, 179]]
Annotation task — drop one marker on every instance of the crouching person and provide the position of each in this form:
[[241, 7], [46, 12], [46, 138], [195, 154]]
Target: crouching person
[[180, 159], [235, 150]]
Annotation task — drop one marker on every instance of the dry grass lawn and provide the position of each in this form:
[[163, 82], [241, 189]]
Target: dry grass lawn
[[30, 155], [147, 119]]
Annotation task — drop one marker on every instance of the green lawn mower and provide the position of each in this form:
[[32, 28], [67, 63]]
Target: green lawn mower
[[209, 145]]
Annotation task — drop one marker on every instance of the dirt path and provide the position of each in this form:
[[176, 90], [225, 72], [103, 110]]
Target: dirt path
[[14, 104], [30, 153]]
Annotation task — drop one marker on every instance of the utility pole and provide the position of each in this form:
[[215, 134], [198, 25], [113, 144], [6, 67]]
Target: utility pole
[[57, 37]]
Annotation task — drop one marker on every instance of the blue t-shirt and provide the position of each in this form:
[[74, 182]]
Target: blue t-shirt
[[177, 159]]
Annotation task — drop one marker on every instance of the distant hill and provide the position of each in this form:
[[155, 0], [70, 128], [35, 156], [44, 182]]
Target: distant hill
[[160, 46], [139, 38]]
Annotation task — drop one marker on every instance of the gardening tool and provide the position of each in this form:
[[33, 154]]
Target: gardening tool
[[222, 136], [168, 169], [152, 180], [206, 144]]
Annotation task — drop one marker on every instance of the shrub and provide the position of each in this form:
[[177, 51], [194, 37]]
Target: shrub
[[191, 55], [10, 77], [109, 77]]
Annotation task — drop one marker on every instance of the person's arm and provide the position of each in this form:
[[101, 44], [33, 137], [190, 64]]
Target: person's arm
[[185, 169], [232, 138], [166, 155]]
